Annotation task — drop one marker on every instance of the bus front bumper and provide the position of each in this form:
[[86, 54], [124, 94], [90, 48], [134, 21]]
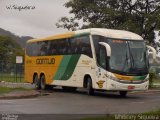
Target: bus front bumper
[[117, 86]]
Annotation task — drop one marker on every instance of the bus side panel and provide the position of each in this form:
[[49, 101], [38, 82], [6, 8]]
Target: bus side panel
[[67, 70], [42, 65], [73, 72]]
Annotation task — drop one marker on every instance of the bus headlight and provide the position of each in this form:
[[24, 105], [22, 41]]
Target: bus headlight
[[113, 78], [127, 81]]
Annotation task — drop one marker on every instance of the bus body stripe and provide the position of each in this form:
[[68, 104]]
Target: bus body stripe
[[139, 77], [66, 67], [124, 77], [62, 67], [71, 67]]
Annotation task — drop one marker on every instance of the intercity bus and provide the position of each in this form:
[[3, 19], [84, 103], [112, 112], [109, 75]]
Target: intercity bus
[[94, 59]]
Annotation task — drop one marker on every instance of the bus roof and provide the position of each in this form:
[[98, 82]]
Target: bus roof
[[110, 33], [54, 37]]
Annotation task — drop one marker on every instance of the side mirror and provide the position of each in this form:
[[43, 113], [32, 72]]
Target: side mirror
[[108, 48]]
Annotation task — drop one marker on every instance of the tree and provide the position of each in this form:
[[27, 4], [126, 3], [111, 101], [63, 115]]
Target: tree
[[139, 16], [9, 49]]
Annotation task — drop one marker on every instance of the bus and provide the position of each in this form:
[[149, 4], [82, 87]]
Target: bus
[[94, 59]]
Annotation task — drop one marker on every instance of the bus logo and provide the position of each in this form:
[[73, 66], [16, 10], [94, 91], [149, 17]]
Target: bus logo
[[100, 83], [45, 61]]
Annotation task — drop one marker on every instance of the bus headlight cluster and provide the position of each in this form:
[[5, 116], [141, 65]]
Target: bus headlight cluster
[[113, 78], [126, 81]]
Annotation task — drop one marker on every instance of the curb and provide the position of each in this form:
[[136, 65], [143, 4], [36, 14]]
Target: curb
[[147, 91], [20, 95], [15, 85]]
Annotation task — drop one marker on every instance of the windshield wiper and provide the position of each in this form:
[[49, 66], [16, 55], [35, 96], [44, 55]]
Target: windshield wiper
[[125, 62], [131, 56]]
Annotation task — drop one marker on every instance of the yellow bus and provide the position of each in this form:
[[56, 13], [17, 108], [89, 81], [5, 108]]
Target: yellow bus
[[95, 59]]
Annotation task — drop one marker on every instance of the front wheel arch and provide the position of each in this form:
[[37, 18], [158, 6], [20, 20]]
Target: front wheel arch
[[85, 80], [88, 84]]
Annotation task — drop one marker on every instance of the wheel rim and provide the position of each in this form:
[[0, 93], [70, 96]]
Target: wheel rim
[[89, 86], [42, 83], [36, 84]]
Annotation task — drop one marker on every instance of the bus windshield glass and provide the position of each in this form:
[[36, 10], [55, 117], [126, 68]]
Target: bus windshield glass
[[128, 57]]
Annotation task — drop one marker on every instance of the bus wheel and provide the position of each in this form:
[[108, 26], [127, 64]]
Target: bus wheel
[[36, 82], [123, 93], [42, 81], [90, 90]]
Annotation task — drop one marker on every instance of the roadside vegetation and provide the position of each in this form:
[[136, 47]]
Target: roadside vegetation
[[12, 78], [154, 76], [4, 90]]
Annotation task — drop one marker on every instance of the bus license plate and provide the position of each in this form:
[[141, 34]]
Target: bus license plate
[[131, 87]]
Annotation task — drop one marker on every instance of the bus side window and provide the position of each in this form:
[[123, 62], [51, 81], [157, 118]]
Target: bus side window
[[52, 48], [81, 45], [43, 48], [78, 46], [102, 57], [74, 46], [68, 46], [32, 49]]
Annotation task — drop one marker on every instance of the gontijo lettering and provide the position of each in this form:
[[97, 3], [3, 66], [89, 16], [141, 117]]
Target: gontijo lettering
[[45, 61]]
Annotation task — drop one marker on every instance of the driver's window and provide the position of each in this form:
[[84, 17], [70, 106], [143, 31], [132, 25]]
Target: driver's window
[[102, 57]]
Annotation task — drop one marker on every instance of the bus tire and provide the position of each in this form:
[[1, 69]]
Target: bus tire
[[42, 82], [123, 93], [90, 90], [36, 82]]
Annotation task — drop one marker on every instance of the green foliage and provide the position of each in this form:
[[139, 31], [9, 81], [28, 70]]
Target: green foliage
[[12, 77], [140, 16], [152, 75], [4, 90], [9, 49], [155, 112]]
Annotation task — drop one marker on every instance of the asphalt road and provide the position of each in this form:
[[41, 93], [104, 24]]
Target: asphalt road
[[60, 102]]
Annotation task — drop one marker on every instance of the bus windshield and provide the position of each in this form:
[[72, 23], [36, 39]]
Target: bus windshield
[[128, 57]]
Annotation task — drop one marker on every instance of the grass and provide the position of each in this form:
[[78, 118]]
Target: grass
[[156, 80], [141, 116], [5, 90], [156, 112], [8, 89], [11, 78]]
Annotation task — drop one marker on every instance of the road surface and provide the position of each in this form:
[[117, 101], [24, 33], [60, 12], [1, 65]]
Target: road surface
[[59, 102]]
